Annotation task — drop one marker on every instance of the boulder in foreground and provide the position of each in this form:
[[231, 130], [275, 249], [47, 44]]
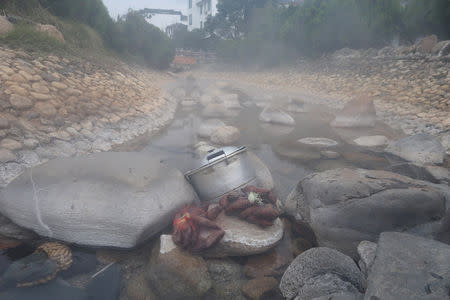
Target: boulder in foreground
[[409, 267], [104, 199], [346, 206]]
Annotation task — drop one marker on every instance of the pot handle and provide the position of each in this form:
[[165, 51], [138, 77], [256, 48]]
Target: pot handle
[[215, 155]]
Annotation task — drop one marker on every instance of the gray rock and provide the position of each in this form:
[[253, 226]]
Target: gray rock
[[445, 141], [54, 290], [441, 49], [371, 141], [409, 267], [366, 251], [7, 156], [318, 272], [207, 127], [177, 274], [225, 135], [420, 148], [356, 113], [434, 174], [106, 199], [318, 142], [345, 206], [341, 296], [9, 229], [276, 116], [242, 238], [226, 278], [20, 102], [4, 123]]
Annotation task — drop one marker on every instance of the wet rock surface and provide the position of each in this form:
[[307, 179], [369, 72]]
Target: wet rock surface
[[321, 271], [401, 258], [242, 238], [276, 116], [420, 148], [345, 207], [176, 274], [106, 199]]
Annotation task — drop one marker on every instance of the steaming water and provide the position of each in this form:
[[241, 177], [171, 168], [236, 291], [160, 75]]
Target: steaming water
[[276, 146]]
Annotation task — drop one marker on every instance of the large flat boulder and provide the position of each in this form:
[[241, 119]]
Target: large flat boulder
[[420, 148], [346, 206], [409, 267], [104, 199]]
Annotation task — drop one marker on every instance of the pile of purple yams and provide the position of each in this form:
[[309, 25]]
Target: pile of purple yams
[[194, 228]]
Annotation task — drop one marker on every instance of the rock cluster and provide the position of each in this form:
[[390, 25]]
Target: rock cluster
[[410, 87], [52, 107]]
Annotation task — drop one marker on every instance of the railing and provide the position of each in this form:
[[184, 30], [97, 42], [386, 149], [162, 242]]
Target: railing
[[199, 56]]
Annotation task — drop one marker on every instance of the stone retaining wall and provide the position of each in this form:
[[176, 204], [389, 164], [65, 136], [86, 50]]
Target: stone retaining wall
[[52, 107]]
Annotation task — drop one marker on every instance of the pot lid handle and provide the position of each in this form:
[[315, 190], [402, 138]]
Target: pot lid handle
[[214, 155]]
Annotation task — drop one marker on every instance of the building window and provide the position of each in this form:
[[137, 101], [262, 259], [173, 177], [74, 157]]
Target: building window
[[201, 24], [190, 19], [209, 5], [201, 9], [190, 3]]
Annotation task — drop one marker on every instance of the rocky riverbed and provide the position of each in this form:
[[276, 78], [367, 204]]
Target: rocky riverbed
[[351, 189]]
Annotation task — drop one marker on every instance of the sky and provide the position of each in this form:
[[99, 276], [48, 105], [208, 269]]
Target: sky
[[120, 7]]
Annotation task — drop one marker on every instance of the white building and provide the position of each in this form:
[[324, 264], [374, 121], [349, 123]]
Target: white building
[[198, 12]]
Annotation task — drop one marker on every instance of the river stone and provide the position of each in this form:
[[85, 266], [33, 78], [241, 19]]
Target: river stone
[[242, 238], [45, 109], [409, 267], [321, 271], [20, 102], [10, 144], [54, 290], [421, 148], [4, 123], [318, 142], [207, 127], [105, 199], [177, 274], [276, 116], [371, 141], [356, 113], [366, 251], [225, 135], [227, 280], [260, 288], [341, 296], [345, 206], [426, 44], [7, 156], [445, 141]]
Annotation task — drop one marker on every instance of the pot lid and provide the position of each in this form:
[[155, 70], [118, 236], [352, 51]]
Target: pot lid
[[216, 155]]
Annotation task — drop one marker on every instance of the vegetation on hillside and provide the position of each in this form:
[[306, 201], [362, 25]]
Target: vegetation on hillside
[[87, 26], [263, 30]]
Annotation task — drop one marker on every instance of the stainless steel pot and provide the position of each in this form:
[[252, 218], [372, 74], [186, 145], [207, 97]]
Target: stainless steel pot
[[222, 171]]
